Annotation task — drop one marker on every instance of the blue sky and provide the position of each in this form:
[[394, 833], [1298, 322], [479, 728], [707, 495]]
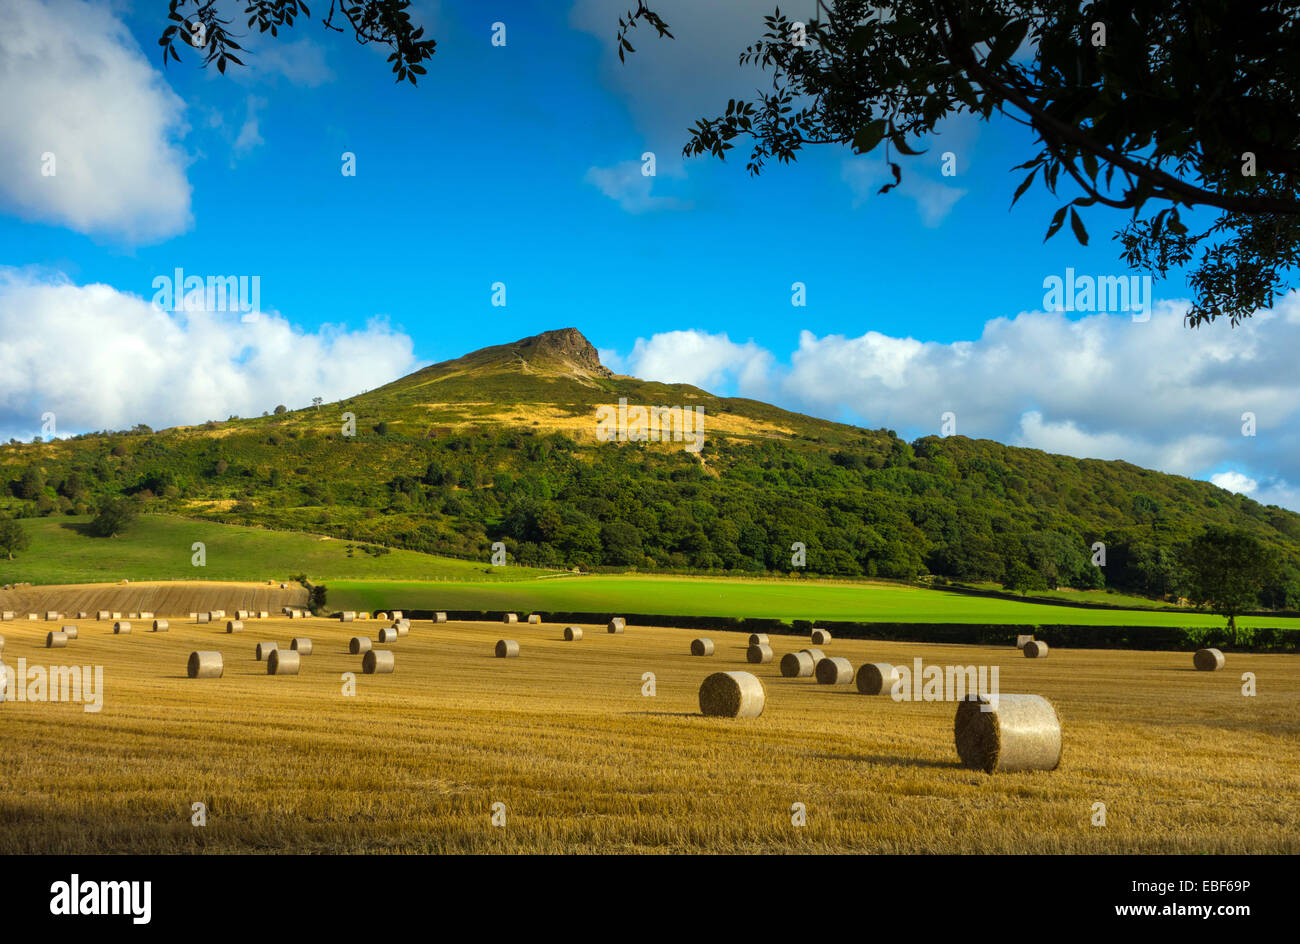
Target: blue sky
[[520, 164]]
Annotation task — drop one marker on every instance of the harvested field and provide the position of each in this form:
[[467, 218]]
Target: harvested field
[[584, 762], [165, 599]]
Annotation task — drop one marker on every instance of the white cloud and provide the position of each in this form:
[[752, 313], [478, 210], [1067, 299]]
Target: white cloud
[[249, 135], [702, 359], [75, 84], [625, 183], [1156, 394], [167, 368], [1235, 482], [866, 175], [301, 62]]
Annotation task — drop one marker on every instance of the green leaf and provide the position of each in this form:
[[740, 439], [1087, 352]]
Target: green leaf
[[869, 135], [1076, 224]]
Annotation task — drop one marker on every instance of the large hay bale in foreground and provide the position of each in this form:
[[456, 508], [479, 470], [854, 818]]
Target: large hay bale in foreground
[[758, 655], [820, 637], [797, 665], [732, 695], [234, 626], [701, 647], [1022, 733], [387, 635], [161, 626], [378, 662], [358, 645], [56, 640], [534, 618], [759, 639], [121, 627], [835, 670], [300, 645], [440, 617], [507, 649], [510, 618], [572, 633], [205, 665], [282, 662], [1035, 649], [264, 649], [876, 678], [616, 625], [1023, 639], [1208, 660], [69, 631]]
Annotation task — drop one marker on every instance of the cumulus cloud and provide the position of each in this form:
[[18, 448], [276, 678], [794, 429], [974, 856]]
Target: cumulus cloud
[[934, 200], [77, 86], [1156, 394], [301, 62], [625, 184], [701, 359], [165, 368], [249, 136]]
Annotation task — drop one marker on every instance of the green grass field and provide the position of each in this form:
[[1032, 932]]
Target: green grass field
[[777, 599], [157, 547]]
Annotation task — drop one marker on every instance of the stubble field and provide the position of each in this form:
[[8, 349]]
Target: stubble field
[[584, 762]]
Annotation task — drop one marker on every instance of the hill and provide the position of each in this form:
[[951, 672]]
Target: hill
[[502, 445]]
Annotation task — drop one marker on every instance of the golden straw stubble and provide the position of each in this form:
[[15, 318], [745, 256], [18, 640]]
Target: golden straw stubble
[[1019, 732]]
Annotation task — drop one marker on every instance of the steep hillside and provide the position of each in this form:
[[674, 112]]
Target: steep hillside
[[502, 445]]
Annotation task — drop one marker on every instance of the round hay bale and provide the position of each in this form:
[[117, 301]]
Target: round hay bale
[[263, 614], [56, 640], [816, 654], [264, 649], [347, 616], [507, 649], [387, 635], [1208, 660], [834, 670], [52, 616], [204, 618], [161, 626], [820, 637], [1035, 649], [7, 616], [616, 625], [440, 617], [282, 663], [510, 618], [403, 628], [701, 647], [234, 626], [876, 678], [572, 633], [121, 627], [104, 615], [378, 662], [358, 645], [534, 618], [759, 639], [797, 665], [1022, 639], [1022, 733], [69, 631], [381, 615], [300, 645], [758, 655], [732, 695], [398, 614], [204, 665]]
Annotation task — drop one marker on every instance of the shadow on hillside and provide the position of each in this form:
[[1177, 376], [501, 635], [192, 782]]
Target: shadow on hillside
[[81, 527]]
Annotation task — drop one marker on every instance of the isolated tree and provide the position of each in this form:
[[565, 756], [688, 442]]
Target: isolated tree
[[13, 538], [316, 402], [1227, 570], [114, 517], [281, 409]]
